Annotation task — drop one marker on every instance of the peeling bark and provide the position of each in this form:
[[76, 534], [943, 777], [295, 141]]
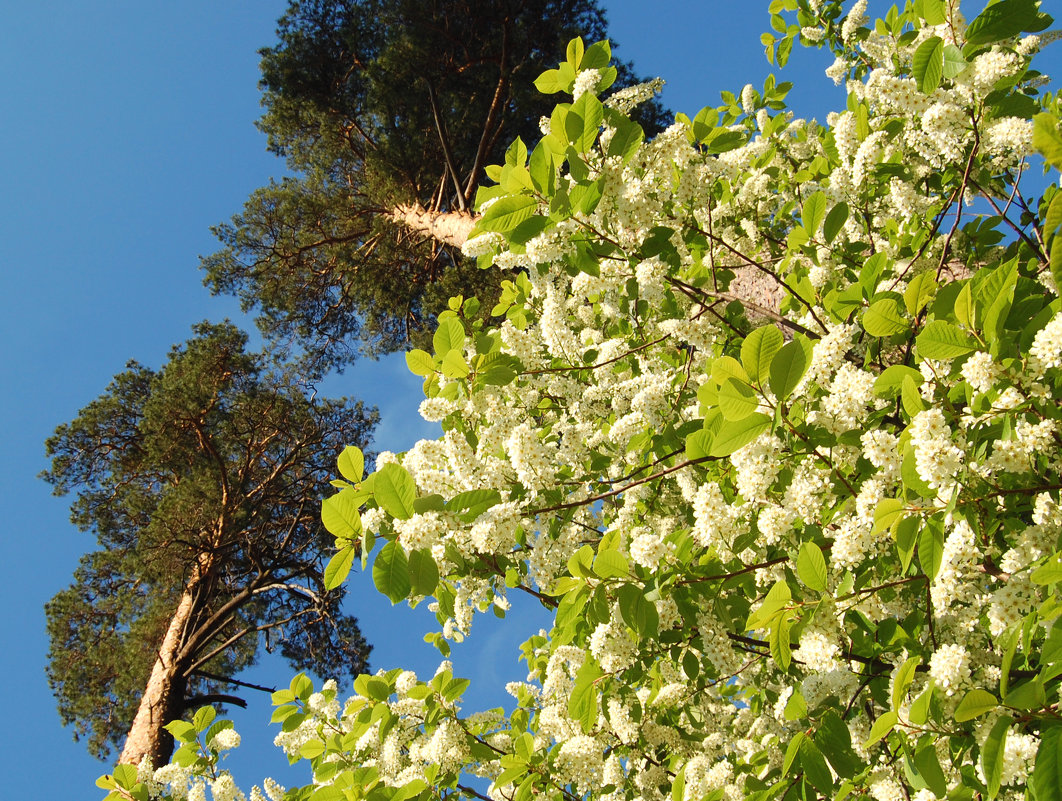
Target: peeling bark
[[450, 228], [163, 698]]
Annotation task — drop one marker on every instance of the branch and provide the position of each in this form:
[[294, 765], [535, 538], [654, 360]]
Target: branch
[[617, 491], [214, 698], [447, 154], [207, 675]]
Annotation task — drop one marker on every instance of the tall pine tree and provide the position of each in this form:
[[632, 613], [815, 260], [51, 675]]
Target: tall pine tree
[[200, 482], [387, 112]]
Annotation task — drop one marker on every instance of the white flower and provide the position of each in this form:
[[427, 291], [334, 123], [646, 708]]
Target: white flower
[[224, 740], [950, 668]]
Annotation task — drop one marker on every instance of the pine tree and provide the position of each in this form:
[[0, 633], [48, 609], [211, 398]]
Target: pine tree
[[200, 482], [387, 112]]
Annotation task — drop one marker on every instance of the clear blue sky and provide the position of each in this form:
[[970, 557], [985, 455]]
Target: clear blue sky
[[127, 130]]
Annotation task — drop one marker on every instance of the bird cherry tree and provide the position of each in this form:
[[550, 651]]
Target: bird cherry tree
[[769, 421]]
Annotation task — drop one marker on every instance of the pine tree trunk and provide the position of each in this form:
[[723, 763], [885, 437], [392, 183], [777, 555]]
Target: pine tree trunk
[[163, 698], [448, 227]]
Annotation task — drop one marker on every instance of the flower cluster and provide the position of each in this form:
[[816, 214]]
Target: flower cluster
[[769, 423]]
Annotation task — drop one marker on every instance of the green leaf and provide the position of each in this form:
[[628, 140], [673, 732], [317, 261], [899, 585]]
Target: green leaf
[[450, 335], [583, 122], [992, 755], [928, 64], [454, 365], [931, 550], [933, 12], [1046, 779], [182, 731], [1028, 695], [340, 516], [550, 82], [611, 564], [777, 598], [498, 369], [737, 400], [815, 769], [203, 717], [954, 62], [910, 396], [626, 140], [125, 775], [597, 56], [925, 760], [1005, 19], [698, 444], [734, 435], [423, 572], [942, 340], [919, 712], [835, 742], [919, 292], [889, 383], [792, 752], [964, 306], [637, 612], [902, 681], [351, 464], [390, 572], [477, 501], [504, 214], [835, 221], [974, 704], [905, 534], [796, 708], [884, 318], [728, 367], [580, 563], [887, 514], [788, 367], [882, 726], [420, 362], [813, 212], [811, 567], [778, 639], [582, 703], [759, 349], [1050, 572], [338, 567], [394, 490]]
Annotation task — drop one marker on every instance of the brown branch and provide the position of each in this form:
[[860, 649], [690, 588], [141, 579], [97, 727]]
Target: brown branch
[[447, 153], [619, 490]]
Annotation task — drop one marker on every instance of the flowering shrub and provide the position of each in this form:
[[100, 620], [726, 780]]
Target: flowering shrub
[[770, 422]]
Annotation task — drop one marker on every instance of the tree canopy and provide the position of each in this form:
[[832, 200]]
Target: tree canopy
[[380, 106], [197, 481]]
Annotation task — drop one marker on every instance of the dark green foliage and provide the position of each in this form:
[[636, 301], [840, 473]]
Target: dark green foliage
[[376, 103], [212, 460]]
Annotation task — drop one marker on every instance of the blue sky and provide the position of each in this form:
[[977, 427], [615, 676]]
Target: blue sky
[[127, 131]]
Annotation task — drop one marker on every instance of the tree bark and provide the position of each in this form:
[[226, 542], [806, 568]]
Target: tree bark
[[448, 227], [163, 698]]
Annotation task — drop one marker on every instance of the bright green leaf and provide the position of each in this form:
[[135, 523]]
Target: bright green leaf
[[788, 367], [394, 490], [420, 362], [928, 64], [390, 572], [811, 567], [338, 567], [759, 349], [974, 704], [423, 572]]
